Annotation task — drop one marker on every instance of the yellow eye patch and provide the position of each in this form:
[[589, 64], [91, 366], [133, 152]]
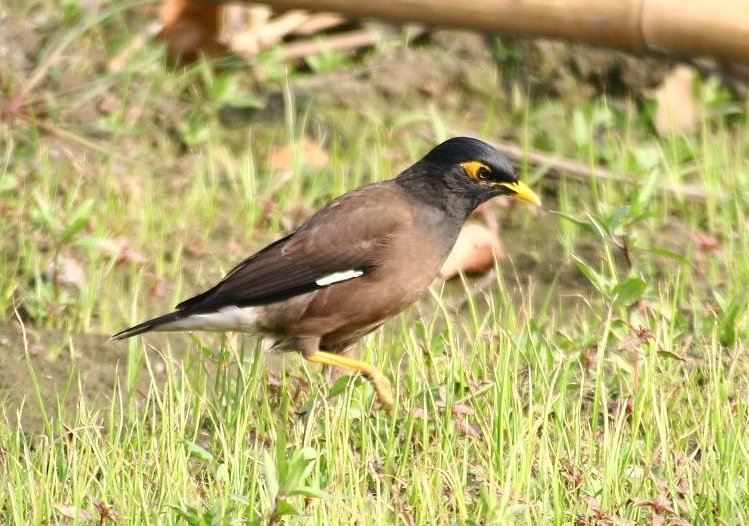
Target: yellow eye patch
[[476, 170]]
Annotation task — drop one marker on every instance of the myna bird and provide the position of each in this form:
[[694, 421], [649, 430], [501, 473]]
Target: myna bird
[[354, 264]]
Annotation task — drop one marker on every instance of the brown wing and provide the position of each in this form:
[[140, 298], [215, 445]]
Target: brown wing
[[347, 235]]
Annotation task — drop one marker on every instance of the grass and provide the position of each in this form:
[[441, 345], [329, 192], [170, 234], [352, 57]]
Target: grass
[[597, 392]]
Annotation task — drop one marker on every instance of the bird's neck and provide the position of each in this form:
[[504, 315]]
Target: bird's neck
[[437, 192]]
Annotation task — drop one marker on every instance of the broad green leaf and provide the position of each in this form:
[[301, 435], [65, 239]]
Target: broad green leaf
[[190, 514], [598, 281], [198, 451], [615, 219], [647, 189], [77, 221], [8, 182], [222, 473], [599, 229], [283, 507], [309, 453], [339, 387], [672, 355], [572, 219], [308, 491], [271, 476], [44, 214], [668, 254], [727, 325], [629, 291]]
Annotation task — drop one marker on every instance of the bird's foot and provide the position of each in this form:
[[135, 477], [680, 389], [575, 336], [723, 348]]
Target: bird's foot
[[383, 390], [380, 383]]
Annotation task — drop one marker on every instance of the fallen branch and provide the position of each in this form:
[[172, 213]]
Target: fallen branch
[[249, 43], [345, 41], [317, 23]]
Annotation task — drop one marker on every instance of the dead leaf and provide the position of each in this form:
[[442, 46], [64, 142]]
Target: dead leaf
[[635, 338], [108, 104], [66, 271], [705, 243], [571, 475], [594, 505], [465, 428], [195, 248], [119, 249], [106, 512], [659, 504], [676, 109], [158, 288], [475, 251], [191, 29], [619, 406], [463, 409], [274, 383], [71, 512], [281, 158], [258, 37]]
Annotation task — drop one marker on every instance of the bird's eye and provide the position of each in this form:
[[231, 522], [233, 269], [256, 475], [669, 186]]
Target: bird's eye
[[477, 170]]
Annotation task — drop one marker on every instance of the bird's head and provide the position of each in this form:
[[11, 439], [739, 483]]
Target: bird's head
[[474, 168]]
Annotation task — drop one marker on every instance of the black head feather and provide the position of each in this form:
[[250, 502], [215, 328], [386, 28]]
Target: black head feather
[[459, 150], [457, 175]]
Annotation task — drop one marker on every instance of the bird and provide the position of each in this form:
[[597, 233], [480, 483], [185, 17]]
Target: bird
[[355, 263]]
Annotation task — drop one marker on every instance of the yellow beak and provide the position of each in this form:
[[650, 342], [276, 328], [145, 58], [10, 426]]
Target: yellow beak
[[521, 191]]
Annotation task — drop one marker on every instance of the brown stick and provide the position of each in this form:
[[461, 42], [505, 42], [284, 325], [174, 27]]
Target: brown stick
[[694, 27], [317, 23], [353, 39], [561, 166], [249, 43]]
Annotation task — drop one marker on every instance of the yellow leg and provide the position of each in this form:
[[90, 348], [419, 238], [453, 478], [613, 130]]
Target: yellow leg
[[378, 380]]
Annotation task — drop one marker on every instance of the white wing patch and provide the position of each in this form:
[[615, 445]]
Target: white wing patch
[[336, 277]]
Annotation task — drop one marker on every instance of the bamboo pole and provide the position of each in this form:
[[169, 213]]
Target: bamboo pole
[[718, 28], [699, 27]]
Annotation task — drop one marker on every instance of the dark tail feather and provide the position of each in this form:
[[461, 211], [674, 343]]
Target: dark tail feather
[[147, 325]]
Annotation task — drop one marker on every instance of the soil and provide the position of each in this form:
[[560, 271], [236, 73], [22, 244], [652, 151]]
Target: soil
[[67, 368]]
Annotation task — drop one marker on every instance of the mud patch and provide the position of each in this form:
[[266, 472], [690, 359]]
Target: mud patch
[[55, 372]]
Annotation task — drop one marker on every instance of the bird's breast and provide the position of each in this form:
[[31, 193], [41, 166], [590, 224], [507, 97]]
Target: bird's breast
[[406, 267]]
